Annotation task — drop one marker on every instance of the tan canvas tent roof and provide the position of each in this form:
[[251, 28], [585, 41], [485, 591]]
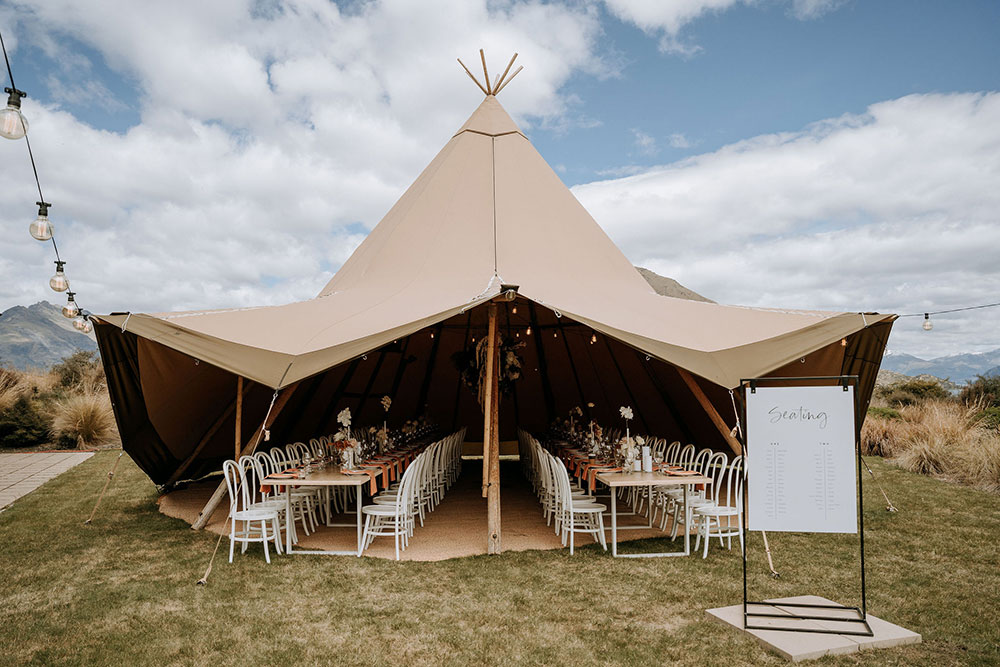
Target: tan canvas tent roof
[[486, 212]]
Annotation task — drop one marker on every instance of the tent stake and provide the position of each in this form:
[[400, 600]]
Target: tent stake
[[770, 563], [106, 484]]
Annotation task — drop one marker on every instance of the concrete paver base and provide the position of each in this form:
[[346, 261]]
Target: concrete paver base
[[22, 473], [797, 646]]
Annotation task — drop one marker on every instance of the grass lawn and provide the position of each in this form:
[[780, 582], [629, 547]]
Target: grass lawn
[[122, 591]]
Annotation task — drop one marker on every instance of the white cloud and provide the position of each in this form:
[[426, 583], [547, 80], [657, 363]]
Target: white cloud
[[893, 210], [806, 10], [644, 143], [271, 136], [678, 140], [667, 18]]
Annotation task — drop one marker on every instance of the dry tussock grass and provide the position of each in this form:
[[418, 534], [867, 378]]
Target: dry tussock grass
[[86, 419], [939, 438]]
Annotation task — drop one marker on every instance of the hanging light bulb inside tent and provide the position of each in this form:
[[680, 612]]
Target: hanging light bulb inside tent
[[41, 228], [12, 123], [927, 322], [70, 310], [528, 331], [593, 339], [58, 282]]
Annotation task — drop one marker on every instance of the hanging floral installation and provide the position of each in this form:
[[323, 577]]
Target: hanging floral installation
[[471, 365]]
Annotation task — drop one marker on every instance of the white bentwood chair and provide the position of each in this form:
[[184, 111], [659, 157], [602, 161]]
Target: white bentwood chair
[[243, 511]]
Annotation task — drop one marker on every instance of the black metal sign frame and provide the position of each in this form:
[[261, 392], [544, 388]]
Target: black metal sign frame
[[862, 612]]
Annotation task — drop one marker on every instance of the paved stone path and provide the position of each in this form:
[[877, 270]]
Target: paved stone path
[[21, 474]]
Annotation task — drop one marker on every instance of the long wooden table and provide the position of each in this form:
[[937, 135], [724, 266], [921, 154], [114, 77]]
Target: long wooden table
[[330, 476], [616, 480]]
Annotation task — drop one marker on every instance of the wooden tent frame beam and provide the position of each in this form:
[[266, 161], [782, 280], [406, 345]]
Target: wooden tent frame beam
[[710, 410]]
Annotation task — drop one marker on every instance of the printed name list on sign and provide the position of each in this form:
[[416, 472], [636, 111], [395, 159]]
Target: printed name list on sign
[[801, 465]]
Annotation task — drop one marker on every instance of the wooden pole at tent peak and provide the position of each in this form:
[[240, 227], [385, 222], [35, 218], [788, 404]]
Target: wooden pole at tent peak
[[713, 414], [491, 342], [239, 415], [251, 445], [493, 491]]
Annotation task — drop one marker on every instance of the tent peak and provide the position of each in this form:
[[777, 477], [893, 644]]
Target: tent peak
[[498, 84]]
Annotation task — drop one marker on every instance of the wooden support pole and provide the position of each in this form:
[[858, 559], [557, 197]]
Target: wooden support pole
[[239, 415], [251, 445], [713, 414], [493, 496], [204, 440], [491, 341]]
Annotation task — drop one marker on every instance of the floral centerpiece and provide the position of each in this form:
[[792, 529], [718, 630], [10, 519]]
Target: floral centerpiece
[[348, 446]]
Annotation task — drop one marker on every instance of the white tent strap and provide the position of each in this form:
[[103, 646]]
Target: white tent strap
[[738, 428]]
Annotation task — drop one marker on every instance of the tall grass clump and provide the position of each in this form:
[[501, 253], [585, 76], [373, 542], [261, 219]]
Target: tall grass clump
[[84, 420], [942, 438]]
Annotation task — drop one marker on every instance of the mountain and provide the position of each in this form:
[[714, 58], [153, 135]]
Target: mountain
[[957, 367], [669, 287], [38, 336]]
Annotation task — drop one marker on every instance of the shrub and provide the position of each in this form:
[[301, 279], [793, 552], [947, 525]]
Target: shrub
[[883, 413], [23, 424], [84, 420], [81, 369], [988, 418], [912, 392], [985, 390]]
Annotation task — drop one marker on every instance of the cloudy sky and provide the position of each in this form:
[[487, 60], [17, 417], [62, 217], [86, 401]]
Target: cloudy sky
[[833, 154]]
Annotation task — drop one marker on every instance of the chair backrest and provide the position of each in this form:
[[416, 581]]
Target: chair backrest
[[562, 482], [292, 452], [265, 466], [686, 458], [279, 459], [316, 447], [734, 485], [672, 453], [302, 449], [408, 484], [253, 474], [701, 461], [716, 469], [235, 485]]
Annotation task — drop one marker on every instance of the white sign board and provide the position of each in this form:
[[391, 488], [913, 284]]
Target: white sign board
[[801, 465]]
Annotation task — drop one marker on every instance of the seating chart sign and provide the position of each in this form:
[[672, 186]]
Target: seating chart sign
[[801, 465]]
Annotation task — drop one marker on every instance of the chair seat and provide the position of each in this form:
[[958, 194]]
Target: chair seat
[[254, 514], [589, 507], [379, 510], [716, 510]]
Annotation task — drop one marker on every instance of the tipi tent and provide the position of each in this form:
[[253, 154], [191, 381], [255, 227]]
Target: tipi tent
[[486, 217]]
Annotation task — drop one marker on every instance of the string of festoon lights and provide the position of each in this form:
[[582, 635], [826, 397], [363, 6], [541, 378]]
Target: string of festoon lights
[[14, 126], [927, 315]]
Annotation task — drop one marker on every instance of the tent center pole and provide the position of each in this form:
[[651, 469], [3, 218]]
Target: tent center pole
[[239, 416]]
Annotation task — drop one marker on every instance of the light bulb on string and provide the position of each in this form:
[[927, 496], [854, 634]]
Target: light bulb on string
[[58, 282], [41, 228], [70, 310], [83, 324], [593, 339], [555, 334], [514, 310], [13, 125], [927, 322], [528, 331]]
